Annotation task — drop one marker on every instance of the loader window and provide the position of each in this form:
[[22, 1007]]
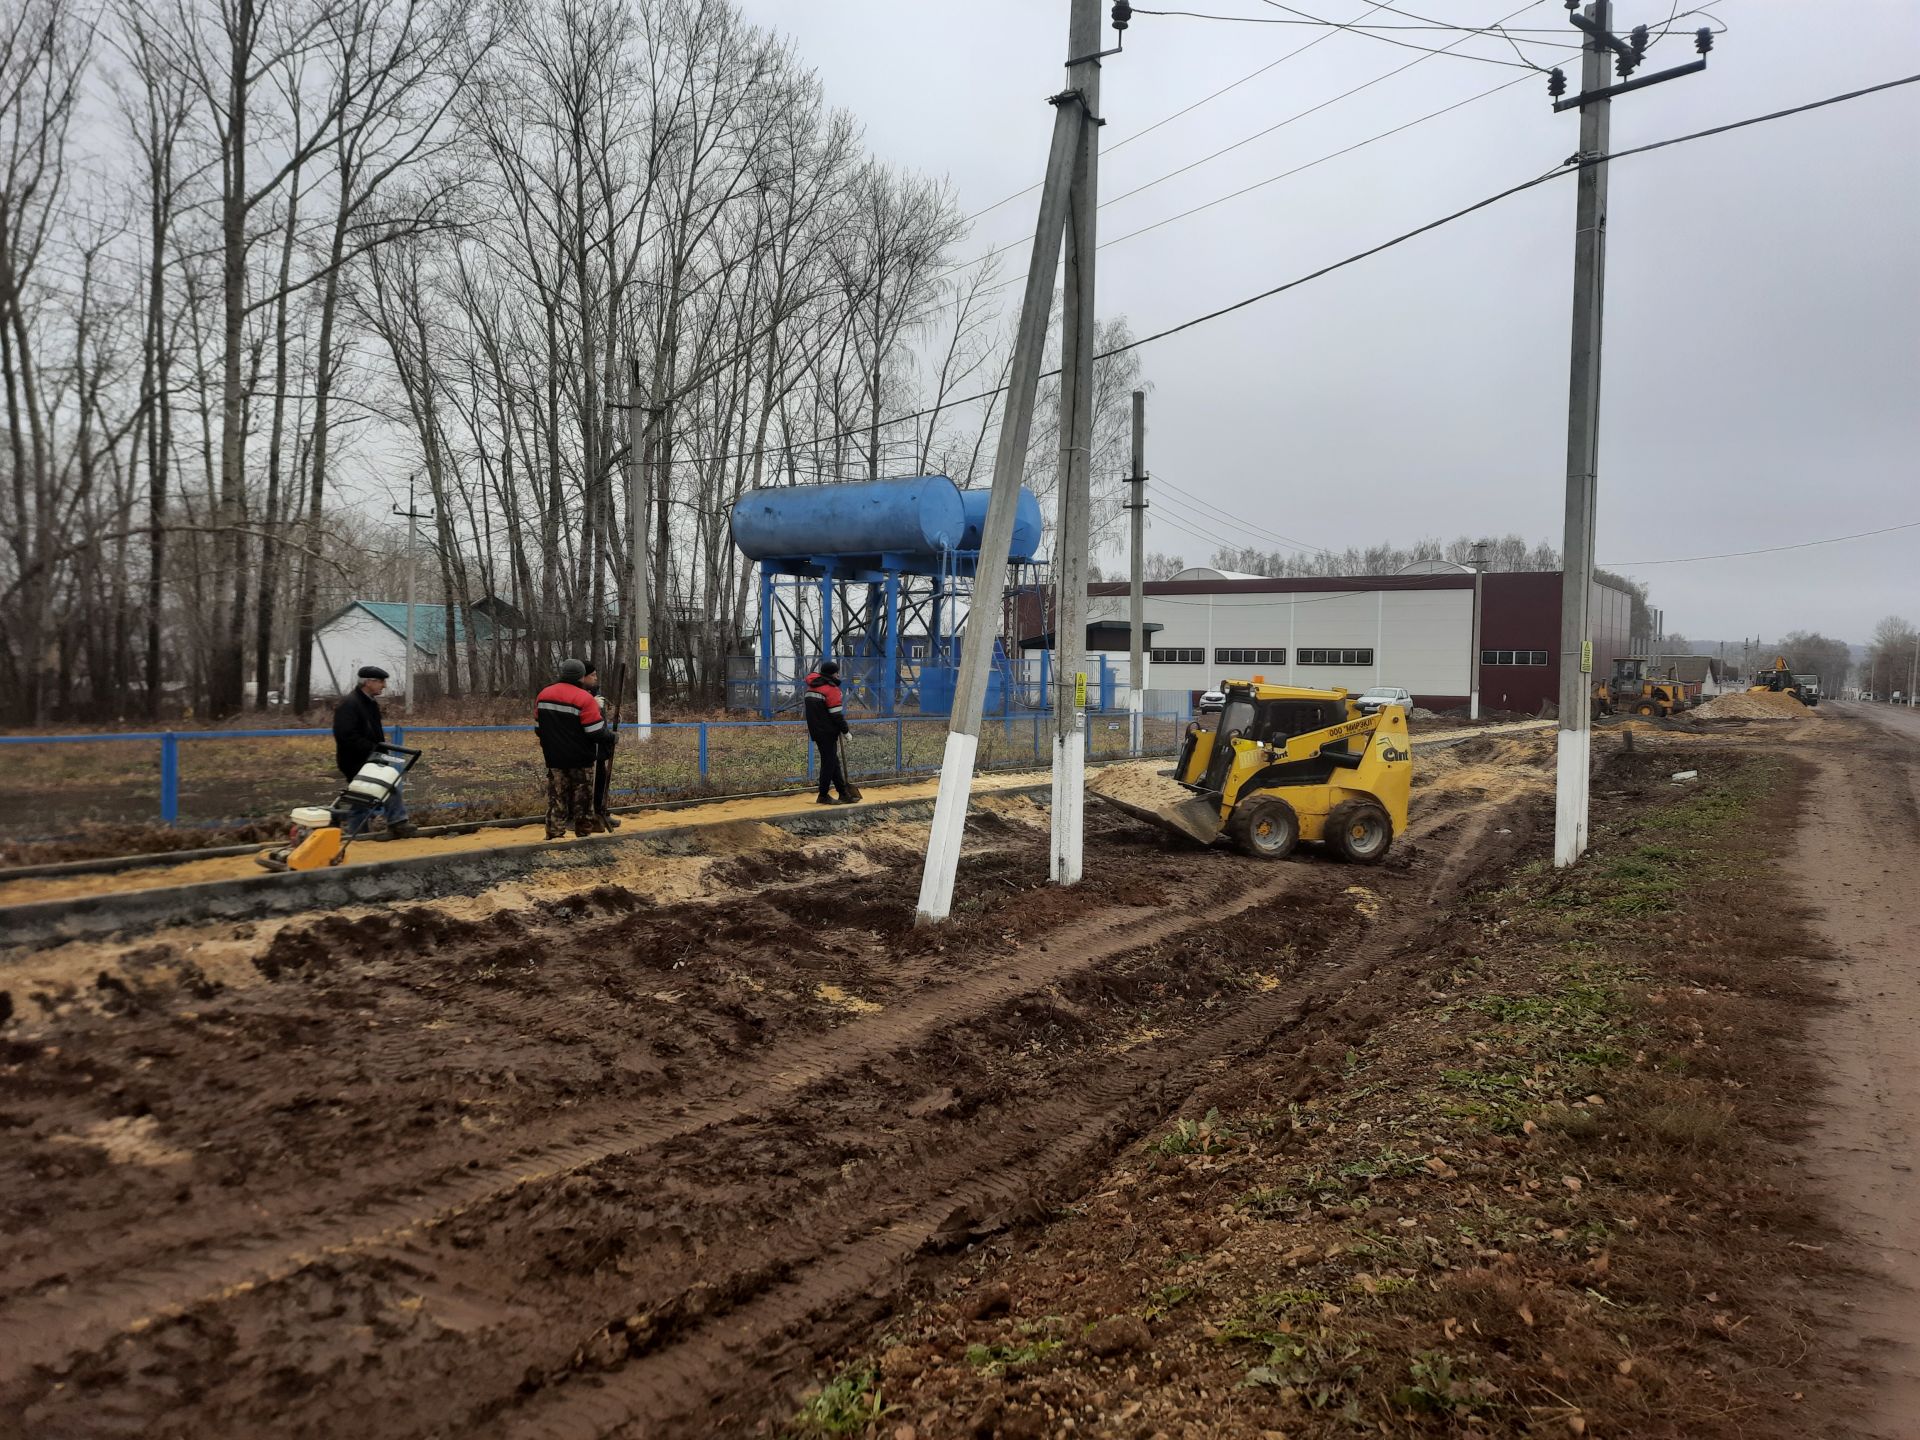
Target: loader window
[[1283, 719], [1237, 715]]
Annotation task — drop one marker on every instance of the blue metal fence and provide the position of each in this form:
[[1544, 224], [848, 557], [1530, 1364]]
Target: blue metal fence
[[679, 758]]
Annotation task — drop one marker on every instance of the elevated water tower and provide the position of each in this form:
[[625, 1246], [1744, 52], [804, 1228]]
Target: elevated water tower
[[879, 575]]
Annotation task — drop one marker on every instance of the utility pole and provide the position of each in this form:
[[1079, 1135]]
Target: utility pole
[[413, 563], [1074, 117], [1573, 758], [1077, 344], [1136, 601], [640, 440], [1479, 578]]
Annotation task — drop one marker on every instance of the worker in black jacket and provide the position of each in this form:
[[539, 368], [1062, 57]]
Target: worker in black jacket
[[356, 730], [824, 705]]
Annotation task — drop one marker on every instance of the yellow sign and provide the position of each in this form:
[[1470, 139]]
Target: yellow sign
[[1079, 689], [645, 663], [1586, 657], [642, 643]]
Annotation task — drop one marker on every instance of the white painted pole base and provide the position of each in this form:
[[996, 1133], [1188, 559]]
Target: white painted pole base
[[643, 719], [1473, 706], [1068, 823], [1571, 776], [949, 829], [1136, 725]]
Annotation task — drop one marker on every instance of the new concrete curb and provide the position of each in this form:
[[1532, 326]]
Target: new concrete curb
[[417, 877]]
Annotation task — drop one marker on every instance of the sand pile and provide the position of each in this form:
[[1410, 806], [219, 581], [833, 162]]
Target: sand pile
[[1767, 705]]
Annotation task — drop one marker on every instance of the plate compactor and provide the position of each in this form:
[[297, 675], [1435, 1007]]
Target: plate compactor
[[1279, 764], [322, 833]]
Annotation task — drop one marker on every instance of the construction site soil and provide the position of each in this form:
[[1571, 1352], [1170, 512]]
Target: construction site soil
[[630, 1159]]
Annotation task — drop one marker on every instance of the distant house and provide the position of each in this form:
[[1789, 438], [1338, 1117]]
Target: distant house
[[1700, 674], [374, 632]]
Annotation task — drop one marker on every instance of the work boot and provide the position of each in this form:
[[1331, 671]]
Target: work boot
[[610, 822], [405, 830], [825, 800], [848, 800]]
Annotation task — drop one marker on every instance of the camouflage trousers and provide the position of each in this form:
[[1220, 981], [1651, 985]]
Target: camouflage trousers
[[570, 802]]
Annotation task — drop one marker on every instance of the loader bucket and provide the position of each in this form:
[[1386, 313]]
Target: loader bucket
[[1145, 792]]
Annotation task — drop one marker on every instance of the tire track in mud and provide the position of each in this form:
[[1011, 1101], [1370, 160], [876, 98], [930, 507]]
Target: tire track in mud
[[857, 1246], [39, 1330]]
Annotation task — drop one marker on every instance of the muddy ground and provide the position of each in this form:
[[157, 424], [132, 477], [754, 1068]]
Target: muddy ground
[[660, 1157]]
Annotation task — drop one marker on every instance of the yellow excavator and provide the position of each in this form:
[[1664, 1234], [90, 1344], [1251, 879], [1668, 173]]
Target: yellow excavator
[[1278, 764], [1781, 680]]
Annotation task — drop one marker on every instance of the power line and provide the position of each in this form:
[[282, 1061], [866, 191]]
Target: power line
[[1240, 521], [1565, 168], [1245, 140], [1355, 28], [1765, 550], [1448, 50], [1184, 110]]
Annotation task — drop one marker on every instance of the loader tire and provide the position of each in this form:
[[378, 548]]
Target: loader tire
[[1646, 707], [1360, 831], [1266, 829]]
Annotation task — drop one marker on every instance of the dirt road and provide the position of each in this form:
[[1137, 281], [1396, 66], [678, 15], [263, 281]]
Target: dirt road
[[564, 1162], [1858, 866]]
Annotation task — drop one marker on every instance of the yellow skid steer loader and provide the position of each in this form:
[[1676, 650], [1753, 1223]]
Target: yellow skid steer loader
[[1279, 764]]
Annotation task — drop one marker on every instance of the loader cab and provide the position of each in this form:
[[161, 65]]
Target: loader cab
[[1263, 719]]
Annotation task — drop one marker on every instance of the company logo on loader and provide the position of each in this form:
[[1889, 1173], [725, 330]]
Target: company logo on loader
[[1391, 752]]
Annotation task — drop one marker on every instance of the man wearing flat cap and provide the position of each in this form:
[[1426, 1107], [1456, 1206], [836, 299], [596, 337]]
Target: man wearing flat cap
[[356, 730]]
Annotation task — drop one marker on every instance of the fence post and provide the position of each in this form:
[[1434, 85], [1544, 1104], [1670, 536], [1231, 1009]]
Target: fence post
[[703, 752], [399, 735], [899, 746], [169, 778]]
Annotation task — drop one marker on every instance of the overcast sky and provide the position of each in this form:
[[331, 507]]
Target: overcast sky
[[1763, 305]]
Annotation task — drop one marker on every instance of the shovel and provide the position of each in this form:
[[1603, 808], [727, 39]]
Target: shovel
[[848, 790]]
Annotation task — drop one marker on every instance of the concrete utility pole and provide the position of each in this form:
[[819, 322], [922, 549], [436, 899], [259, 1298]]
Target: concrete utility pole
[[1136, 601], [1479, 579], [639, 622], [1070, 560], [1074, 115], [413, 564], [1573, 759]]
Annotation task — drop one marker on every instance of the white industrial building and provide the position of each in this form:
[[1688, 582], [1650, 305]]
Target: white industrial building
[[1413, 631]]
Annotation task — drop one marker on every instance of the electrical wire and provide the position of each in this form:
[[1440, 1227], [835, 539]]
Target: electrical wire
[[1208, 99], [1447, 50], [1764, 550], [1568, 167], [1017, 243], [1239, 521]]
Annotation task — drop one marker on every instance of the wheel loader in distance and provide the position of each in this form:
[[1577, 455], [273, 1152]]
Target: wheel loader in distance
[[1780, 680], [1279, 764]]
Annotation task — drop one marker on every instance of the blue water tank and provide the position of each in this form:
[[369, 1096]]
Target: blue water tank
[[1027, 525], [920, 516]]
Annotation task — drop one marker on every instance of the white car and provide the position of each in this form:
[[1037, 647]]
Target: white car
[[1370, 701]]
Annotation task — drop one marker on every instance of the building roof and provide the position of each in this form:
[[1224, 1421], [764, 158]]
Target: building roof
[[1687, 669], [1207, 572], [429, 622]]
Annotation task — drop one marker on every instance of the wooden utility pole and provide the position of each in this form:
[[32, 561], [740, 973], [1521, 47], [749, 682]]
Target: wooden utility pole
[[413, 564], [1073, 115], [1136, 602], [1573, 758], [639, 620]]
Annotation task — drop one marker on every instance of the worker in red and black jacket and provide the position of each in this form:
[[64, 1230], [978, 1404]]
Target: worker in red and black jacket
[[573, 734], [826, 723]]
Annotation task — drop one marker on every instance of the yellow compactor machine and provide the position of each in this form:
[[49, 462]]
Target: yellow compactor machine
[[1279, 764]]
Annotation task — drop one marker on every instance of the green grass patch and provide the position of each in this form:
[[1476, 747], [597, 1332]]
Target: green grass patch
[[845, 1405]]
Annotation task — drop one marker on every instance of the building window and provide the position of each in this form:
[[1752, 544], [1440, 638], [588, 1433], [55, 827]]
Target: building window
[[1335, 657], [1195, 656], [1513, 657], [1250, 657]]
